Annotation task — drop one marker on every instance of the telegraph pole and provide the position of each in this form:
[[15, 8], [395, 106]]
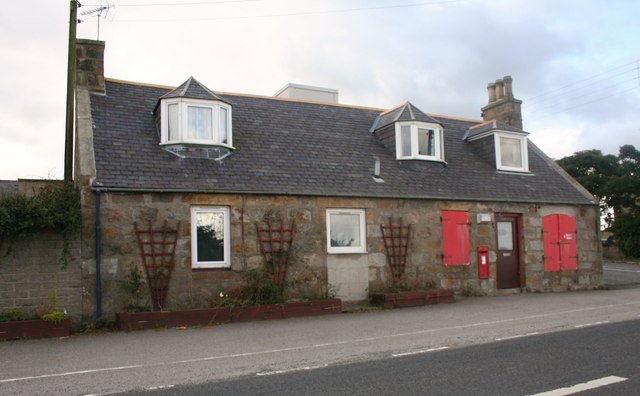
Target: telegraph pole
[[71, 82]]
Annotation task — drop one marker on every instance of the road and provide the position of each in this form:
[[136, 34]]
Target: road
[[605, 356], [123, 362], [620, 275]]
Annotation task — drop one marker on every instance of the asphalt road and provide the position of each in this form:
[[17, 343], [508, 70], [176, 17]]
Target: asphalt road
[[621, 275], [522, 366], [109, 363]]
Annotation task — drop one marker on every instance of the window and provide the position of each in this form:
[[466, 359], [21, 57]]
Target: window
[[559, 240], [511, 152], [455, 238], [210, 237], [195, 121], [346, 231], [416, 140]]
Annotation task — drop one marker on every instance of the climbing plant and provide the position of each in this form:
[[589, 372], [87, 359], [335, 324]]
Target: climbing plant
[[56, 207]]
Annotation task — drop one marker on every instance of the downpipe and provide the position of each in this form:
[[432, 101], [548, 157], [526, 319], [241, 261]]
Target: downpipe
[[99, 322]]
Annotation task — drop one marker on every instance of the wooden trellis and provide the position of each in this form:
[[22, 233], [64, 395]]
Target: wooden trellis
[[158, 249], [396, 243], [275, 244]]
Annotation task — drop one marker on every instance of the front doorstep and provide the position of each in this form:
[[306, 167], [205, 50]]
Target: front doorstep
[[412, 298], [209, 316], [33, 329]]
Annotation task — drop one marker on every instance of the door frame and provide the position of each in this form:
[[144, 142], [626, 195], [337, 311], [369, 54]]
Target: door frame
[[519, 241]]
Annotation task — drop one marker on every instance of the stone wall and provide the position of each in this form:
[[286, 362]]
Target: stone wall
[[311, 267], [30, 270]]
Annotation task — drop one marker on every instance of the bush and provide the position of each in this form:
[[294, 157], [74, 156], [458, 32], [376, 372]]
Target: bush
[[259, 289], [14, 315], [626, 231], [56, 207]]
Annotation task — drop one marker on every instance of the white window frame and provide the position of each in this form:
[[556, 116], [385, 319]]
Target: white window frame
[[362, 248], [523, 151], [183, 105], [226, 263], [438, 141]]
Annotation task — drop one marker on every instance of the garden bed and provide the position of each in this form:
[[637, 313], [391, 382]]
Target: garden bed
[[412, 298], [209, 316], [33, 329]]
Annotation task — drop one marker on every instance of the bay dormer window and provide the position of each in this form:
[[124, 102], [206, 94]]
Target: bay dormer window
[[419, 140], [195, 121]]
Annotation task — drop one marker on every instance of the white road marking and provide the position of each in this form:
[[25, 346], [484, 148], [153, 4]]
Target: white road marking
[[160, 387], [315, 346], [591, 324], [292, 370], [517, 336], [420, 351], [570, 390], [621, 270]]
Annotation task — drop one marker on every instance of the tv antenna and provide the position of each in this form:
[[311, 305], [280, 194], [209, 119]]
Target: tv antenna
[[100, 11]]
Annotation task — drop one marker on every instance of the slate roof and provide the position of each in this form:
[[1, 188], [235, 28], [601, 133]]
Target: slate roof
[[192, 89], [479, 129], [404, 112], [298, 148]]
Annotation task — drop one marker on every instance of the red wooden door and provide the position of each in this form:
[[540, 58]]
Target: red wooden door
[[559, 238], [455, 237]]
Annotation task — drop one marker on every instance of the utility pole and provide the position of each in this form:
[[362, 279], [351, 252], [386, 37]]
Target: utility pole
[[71, 83]]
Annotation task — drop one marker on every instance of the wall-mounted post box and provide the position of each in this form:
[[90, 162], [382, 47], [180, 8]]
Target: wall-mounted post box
[[483, 262]]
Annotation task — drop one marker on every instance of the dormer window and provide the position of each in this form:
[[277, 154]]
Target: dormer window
[[195, 121], [511, 152], [418, 140], [509, 145], [192, 119]]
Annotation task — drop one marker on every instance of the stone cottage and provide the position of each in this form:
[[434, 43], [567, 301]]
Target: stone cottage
[[481, 207]]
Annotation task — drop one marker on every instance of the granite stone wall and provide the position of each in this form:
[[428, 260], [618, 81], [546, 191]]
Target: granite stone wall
[[311, 266]]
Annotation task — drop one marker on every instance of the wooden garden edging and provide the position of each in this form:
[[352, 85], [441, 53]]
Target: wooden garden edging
[[33, 329], [209, 316], [412, 298]]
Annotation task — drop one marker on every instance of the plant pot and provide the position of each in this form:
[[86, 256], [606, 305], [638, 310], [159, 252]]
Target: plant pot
[[33, 329], [412, 298], [209, 316]]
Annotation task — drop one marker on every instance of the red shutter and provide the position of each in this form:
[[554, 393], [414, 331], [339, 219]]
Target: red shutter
[[455, 238], [567, 241], [550, 241], [559, 238]]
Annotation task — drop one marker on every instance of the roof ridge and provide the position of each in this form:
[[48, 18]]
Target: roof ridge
[[409, 105]]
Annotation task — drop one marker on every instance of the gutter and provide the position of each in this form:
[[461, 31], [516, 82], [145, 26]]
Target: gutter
[[341, 195]]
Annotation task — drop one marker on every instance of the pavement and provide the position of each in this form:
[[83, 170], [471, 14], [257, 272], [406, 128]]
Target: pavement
[[108, 363]]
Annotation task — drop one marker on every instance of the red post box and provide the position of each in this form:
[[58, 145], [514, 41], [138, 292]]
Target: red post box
[[483, 262]]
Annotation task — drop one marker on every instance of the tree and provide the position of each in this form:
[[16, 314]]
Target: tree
[[615, 180]]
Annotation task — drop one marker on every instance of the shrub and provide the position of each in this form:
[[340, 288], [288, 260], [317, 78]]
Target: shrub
[[56, 207]]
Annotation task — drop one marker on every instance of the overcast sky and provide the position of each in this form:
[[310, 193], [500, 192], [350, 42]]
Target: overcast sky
[[575, 64]]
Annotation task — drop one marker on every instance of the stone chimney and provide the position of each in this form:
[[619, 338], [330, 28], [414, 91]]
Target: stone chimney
[[502, 106], [90, 65]]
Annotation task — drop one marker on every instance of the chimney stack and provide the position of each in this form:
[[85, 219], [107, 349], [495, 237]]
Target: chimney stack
[[502, 106], [90, 65]]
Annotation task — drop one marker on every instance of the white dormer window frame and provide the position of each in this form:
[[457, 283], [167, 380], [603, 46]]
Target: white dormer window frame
[[511, 162], [195, 121], [411, 134]]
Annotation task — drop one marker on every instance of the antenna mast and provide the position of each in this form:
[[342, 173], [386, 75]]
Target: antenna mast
[[98, 11]]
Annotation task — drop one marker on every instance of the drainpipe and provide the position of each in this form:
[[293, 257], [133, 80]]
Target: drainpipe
[[98, 264]]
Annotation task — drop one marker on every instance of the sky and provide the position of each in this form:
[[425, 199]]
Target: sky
[[575, 63]]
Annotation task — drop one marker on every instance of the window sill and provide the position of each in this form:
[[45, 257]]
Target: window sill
[[210, 269]]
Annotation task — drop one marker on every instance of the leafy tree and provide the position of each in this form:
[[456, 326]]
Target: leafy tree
[[615, 180]]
